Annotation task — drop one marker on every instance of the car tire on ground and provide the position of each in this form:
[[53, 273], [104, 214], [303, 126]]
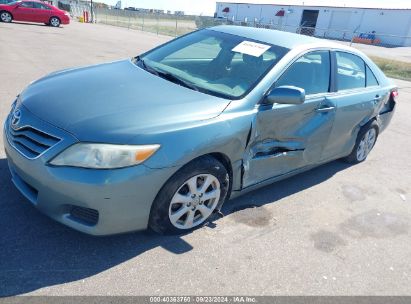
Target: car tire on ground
[[190, 196], [366, 139], [5, 17], [54, 22]]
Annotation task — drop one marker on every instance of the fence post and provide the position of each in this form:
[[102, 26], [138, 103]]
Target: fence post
[[158, 22], [142, 25], [352, 38], [176, 26], [129, 16], [117, 13]]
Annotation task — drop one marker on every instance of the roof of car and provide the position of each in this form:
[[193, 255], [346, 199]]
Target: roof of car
[[280, 38], [39, 1]]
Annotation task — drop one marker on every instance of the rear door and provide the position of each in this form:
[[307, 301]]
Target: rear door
[[358, 97], [42, 12], [289, 137]]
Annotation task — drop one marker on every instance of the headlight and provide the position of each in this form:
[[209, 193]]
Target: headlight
[[103, 156], [16, 104], [13, 105]]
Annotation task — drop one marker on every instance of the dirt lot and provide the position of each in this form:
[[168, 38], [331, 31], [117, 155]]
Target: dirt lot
[[336, 230]]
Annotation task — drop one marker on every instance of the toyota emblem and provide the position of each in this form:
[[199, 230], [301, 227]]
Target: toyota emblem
[[15, 119]]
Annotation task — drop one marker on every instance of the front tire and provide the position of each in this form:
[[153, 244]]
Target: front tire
[[54, 22], [6, 17], [190, 197], [366, 139]]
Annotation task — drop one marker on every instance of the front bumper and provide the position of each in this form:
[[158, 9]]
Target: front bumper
[[65, 20], [121, 197]]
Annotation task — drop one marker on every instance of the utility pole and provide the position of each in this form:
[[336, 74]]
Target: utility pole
[[91, 11]]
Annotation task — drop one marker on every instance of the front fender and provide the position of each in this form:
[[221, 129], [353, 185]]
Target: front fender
[[226, 134]]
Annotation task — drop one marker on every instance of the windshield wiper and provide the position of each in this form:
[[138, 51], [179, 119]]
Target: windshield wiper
[[177, 80], [141, 63], [171, 77]]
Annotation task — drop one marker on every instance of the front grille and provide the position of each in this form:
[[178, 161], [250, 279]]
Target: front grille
[[84, 215], [31, 142]]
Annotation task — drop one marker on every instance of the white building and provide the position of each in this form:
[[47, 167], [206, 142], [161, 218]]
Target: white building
[[391, 25]]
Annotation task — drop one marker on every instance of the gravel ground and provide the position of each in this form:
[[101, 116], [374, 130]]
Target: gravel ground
[[335, 230]]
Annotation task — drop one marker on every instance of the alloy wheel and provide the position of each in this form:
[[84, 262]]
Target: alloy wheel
[[5, 17], [194, 201], [366, 144], [55, 22]]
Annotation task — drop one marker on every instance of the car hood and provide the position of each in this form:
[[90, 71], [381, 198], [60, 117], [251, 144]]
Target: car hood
[[114, 101]]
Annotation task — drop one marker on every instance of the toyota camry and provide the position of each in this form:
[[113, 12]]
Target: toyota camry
[[163, 139]]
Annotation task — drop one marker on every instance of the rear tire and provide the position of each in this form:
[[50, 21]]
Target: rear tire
[[190, 196], [366, 139], [54, 22], [6, 17]]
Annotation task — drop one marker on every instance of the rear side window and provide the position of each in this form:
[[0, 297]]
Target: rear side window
[[40, 6], [351, 71], [371, 80], [310, 72], [27, 4]]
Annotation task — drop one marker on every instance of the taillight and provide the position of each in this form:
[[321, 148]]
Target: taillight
[[394, 95]]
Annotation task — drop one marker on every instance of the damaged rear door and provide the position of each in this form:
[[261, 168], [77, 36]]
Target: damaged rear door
[[286, 137]]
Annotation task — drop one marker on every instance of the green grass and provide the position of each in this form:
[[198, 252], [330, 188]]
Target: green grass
[[394, 68]]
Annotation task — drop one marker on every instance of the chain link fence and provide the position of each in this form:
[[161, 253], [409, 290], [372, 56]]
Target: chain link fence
[[77, 10], [171, 25], [176, 25]]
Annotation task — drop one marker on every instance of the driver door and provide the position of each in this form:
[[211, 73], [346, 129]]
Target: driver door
[[23, 12], [289, 137]]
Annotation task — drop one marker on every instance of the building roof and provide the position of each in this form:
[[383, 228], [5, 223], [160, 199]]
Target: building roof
[[373, 4]]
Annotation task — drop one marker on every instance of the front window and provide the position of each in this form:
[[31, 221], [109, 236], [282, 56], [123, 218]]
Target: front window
[[12, 3], [310, 72], [212, 62]]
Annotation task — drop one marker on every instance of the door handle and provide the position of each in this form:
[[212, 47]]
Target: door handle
[[326, 109]]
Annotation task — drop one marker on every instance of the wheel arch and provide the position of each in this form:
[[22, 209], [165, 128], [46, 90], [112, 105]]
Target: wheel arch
[[223, 159], [369, 122], [11, 14], [216, 156], [54, 16], [219, 156]]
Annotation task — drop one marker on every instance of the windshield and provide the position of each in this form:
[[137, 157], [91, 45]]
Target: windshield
[[212, 62]]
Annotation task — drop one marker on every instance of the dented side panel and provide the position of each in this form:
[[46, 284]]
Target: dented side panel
[[285, 138], [354, 110]]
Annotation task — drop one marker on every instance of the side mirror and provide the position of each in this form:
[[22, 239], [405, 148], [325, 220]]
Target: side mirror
[[286, 95]]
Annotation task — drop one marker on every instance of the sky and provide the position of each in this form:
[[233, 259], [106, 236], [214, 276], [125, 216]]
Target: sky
[[207, 7]]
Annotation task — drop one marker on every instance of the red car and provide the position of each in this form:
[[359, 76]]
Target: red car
[[33, 11]]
